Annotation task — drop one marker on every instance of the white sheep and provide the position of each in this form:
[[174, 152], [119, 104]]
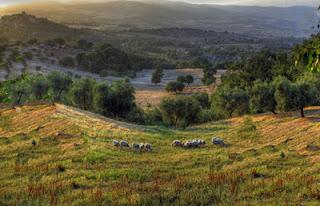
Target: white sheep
[[142, 146], [148, 147], [116, 143], [188, 144], [176, 143], [218, 141], [136, 146], [124, 143]]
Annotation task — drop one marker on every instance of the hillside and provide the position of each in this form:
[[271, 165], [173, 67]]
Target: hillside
[[73, 162], [23, 26], [123, 15]]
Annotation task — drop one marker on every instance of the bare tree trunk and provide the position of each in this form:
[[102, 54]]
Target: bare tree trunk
[[302, 112]]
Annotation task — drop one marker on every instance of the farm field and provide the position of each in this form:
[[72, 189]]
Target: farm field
[[58, 155]]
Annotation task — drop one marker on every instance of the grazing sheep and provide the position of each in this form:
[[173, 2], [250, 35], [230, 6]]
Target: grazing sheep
[[116, 143], [124, 143], [193, 143], [141, 146], [188, 144], [136, 146], [148, 147], [176, 143], [218, 141], [202, 142]]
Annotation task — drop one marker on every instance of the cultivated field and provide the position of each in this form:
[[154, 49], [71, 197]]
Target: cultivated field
[[56, 155]]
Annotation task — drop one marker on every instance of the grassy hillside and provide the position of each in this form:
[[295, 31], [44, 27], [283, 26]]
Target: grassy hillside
[[72, 161]]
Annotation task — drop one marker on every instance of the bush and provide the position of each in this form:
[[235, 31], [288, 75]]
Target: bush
[[248, 129], [179, 111], [207, 115], [175, 87], [203, 99], [153, 116]]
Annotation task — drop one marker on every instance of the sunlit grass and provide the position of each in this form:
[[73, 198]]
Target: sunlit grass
[[74, 163]]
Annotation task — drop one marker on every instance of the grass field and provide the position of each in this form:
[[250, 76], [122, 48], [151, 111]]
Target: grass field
[[56, 155]]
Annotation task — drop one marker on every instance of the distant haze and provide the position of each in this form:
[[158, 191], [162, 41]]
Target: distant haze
[[283, 3]]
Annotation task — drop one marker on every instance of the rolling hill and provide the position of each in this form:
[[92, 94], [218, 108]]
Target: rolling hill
[[122, 15], [23, 26], [64, 156]]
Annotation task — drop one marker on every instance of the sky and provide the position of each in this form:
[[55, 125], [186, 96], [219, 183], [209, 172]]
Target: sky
[[223, 2]]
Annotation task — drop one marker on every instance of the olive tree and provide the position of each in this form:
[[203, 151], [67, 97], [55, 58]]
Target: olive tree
[[227, 101], [59, 84], [81, 93], [179, 111], [262, 97]]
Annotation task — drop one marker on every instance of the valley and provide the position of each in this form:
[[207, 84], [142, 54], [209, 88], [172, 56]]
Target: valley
[[159, 103]]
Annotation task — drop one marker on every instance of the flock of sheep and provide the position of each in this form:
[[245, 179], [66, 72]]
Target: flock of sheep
[[197, 143], [136, 146], [176, 143]]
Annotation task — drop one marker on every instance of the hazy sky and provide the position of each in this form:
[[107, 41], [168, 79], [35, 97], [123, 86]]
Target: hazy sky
[[236, 2]]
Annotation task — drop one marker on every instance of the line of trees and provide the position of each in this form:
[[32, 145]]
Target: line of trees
[[114, 100]]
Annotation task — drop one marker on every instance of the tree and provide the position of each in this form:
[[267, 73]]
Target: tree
[[175, 87], [181, 79], [179, 111], [295, 96], [59, 84], [121, 98], [203, 99], [67, 61], [189, 79], [19, 89], [157, 76], [101, 99], [208, 76], [104, 56], [84, 44], [284, 94], [306, 96], [308, 53], [39, 87], [228, 100], [262, 97], [81, 93]]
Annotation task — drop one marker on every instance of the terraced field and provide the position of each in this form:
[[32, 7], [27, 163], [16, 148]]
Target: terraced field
[[57, 155]]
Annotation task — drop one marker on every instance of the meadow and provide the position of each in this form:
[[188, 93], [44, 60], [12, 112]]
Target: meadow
[[58, 155]]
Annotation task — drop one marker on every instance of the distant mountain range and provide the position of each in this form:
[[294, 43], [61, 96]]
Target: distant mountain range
[[124, 15]]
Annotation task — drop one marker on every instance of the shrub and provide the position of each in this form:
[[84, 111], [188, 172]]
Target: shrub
[[203, 99], [248, 129], [175, 87], [180, 111]]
